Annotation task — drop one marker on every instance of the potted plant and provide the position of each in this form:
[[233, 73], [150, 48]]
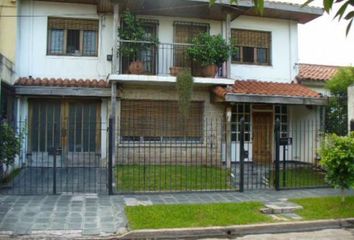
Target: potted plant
[[137, 41], [210, 52]]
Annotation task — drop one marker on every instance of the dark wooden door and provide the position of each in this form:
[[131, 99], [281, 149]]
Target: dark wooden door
[[262, 137]]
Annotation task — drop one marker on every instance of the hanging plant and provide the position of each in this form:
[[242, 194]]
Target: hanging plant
[[184, 85]]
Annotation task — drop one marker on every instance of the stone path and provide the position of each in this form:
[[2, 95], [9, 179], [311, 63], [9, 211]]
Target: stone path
[[80, 214], [101, 215], [255, 195]]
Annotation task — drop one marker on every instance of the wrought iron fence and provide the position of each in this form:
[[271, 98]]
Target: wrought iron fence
[[151, 58], [63, 156], [58, 156]]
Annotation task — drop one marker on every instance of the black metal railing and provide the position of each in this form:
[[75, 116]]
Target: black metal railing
[[171, 156], [151, 58]]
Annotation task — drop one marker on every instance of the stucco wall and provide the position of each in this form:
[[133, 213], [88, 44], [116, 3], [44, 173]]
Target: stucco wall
[[8, 22], [284, 50], [33, 58]]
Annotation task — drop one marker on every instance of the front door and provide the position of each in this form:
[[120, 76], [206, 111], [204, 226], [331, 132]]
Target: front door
[[262, 137]]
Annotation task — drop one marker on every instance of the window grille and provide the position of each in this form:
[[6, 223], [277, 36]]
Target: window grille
[[73, 37]]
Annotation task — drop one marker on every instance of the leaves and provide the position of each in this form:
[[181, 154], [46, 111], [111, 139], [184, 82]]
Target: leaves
[[208, 49], [184, 86]]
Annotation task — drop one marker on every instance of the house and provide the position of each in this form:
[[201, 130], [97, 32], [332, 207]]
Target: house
[[314, 76], [71, 79], [7, 58]]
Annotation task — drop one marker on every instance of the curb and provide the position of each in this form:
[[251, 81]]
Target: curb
[[240, 230]]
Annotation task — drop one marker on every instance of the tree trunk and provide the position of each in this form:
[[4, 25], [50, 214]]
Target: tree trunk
[[342, 195]]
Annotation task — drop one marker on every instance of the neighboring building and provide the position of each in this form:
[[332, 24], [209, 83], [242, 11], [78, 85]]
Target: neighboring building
[[351, 108], [70, 76], [8, 23], [315, 76]]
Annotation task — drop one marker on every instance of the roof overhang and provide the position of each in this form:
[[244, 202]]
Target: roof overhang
[[291, 100], [202, 9], [62, 91]]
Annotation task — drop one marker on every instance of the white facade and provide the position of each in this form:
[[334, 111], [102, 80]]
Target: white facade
[[284, 50], [34, 61], [32, 52]]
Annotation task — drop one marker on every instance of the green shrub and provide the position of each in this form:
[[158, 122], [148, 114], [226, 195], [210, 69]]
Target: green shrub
[[208, 50], [337, 158], [10, 143]]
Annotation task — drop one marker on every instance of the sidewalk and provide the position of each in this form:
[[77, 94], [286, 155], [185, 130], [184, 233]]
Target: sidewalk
[[92, 215]]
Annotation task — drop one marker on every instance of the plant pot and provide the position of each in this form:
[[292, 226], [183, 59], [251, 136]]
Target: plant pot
[[210, 71], [174, 71], [136, 67]]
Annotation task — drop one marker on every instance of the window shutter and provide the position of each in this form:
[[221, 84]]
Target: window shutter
[[248, 38]]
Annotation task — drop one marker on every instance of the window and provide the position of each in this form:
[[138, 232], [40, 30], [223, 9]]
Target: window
[[253, 47], [281, 113], [160, 121], [184, 33], [240, 111], [72, 37]]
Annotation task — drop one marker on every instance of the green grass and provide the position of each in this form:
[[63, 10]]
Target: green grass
[[325, 208], [10, 176], [171, 178], [301, 177], [202, 215]]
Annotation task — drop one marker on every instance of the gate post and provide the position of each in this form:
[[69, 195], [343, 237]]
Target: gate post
[[277, 153], [242, 153], [110, 156], [54, 151]]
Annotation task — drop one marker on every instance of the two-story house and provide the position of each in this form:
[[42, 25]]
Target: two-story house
[[8, 32], [71, 79]]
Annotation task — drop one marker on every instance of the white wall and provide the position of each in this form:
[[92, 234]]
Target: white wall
[[284, 50], [350, 105], [33, 59]]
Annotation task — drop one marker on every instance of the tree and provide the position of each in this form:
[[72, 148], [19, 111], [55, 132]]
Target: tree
[[346, 8], [337, 111], [337, 158]]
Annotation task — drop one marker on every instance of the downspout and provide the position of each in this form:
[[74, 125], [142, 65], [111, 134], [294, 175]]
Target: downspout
[[290, 52]]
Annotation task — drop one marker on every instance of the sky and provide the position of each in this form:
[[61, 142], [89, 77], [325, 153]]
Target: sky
[[323, 40]]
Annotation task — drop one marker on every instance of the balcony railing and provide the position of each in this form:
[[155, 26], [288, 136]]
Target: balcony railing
[[165, 59]]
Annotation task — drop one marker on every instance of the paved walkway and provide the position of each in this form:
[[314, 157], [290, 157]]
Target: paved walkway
[[92, 215]]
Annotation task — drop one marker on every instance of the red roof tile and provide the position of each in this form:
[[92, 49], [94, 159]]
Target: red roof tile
[[52, 82], [253, 87], [316, 72]]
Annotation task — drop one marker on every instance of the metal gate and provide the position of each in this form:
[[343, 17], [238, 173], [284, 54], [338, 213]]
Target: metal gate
[[59, 154]]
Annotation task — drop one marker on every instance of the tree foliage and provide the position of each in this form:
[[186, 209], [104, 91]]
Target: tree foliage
[[337, 158], [337, 110], [339, 84], [346, 8], [10, 143]]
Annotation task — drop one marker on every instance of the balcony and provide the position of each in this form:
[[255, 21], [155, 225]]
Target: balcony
[[142, 61]]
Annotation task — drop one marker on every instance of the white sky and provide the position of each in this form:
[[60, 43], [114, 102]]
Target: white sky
[[323, 40]]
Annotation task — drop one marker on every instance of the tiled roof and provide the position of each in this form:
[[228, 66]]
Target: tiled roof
[[314, 72], [253, 87], [52, 82]]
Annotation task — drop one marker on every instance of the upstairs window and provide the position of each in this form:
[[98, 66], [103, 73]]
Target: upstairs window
[[253, 47], [72, 37]]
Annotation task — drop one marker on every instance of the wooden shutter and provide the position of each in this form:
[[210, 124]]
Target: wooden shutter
[[148, 118], [247, 38], [70, 23]]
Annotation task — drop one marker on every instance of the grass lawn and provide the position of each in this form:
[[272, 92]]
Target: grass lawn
[[170, 178], [192, 215], [301, 177], [325, 207]]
